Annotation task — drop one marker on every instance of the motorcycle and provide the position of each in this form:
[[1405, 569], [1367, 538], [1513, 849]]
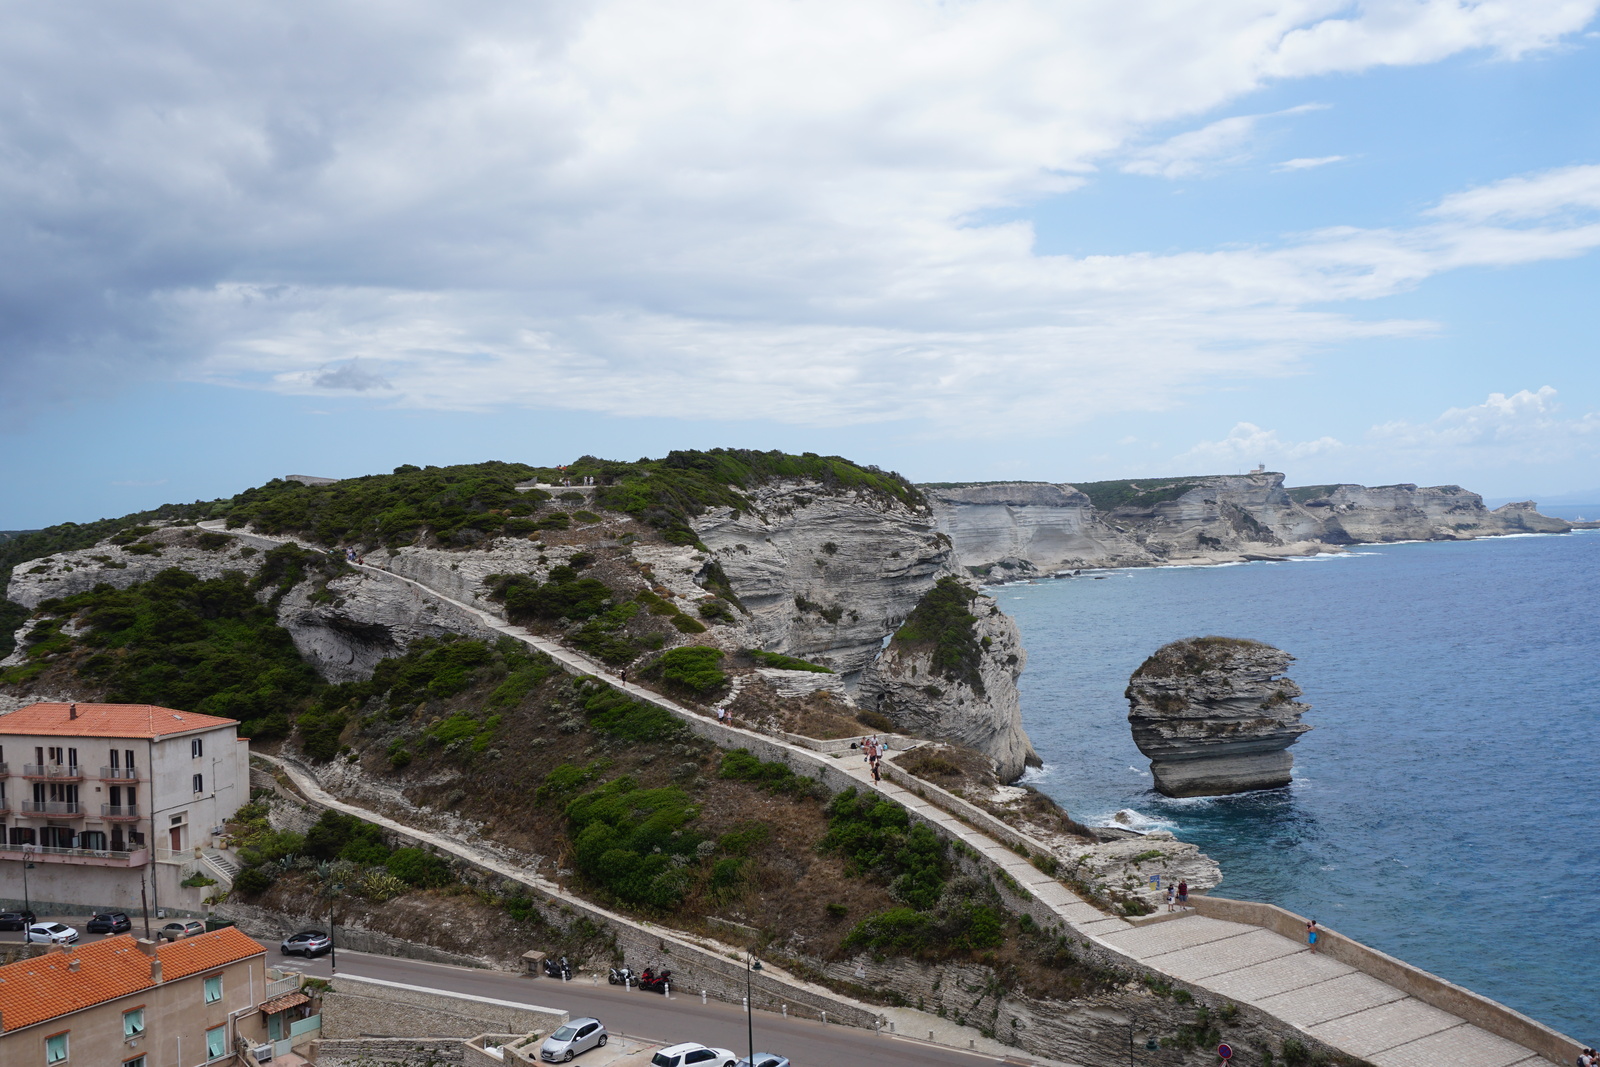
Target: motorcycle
[[654, 981], [622, 976], [553, 969]]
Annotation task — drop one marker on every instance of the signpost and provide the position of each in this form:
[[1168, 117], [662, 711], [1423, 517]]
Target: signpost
[[1226, 1052]]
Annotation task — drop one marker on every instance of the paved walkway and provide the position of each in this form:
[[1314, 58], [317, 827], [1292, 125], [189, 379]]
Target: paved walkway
[[1333, 1002]]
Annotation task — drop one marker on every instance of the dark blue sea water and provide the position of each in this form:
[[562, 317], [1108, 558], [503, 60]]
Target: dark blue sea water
[[1444, 807]]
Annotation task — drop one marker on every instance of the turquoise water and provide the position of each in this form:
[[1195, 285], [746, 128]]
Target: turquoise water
[[1443, 808]]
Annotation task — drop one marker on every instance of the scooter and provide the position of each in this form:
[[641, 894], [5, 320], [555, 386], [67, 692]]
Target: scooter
[[622, 976], [558, 970], [653, 981]]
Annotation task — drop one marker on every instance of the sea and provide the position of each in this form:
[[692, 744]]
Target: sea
[[1443, 808]]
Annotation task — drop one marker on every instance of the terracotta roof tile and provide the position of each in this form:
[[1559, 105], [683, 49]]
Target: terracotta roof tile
[[205, 951], [284, 1003], [46, 986], [107, 720]]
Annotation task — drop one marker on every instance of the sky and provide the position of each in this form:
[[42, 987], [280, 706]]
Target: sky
[[964, 240]]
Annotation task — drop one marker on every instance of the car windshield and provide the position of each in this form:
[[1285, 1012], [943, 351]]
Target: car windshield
[[566, 1033], [55, 928], [661, 1059]]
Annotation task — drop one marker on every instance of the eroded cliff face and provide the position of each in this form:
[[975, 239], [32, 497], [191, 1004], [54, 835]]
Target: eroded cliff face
[[1216, 716], [1357, 513], [915, 683], [824, 576], [1005, 531]]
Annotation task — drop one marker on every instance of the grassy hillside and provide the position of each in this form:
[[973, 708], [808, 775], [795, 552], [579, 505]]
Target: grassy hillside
[[1138, 492]]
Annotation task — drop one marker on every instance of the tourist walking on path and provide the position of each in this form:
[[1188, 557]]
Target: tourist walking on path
[[1311, 935], [1183, 894], [624, 676]]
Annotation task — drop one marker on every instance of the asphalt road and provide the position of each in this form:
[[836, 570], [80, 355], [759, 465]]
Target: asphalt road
[[654, 1018]]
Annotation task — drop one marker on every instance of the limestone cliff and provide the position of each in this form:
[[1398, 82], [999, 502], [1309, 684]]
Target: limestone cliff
[[951, 673], [1012, 530], [1357, 513], [1216, 716], [1003, 531]]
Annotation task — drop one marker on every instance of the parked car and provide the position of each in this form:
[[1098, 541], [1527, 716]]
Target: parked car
[[178, 930], [17, 920], [110, 922], [692, 1054], [52, 933], [579, 1035], [764, 1059], [307, 943]]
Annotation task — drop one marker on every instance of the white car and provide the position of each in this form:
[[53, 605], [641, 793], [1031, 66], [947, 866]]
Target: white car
[[52, 933], [691, 1054]]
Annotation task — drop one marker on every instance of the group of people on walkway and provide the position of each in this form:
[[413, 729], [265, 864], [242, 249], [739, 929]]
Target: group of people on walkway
[[1178, 896], [1589, 1058], [872, 749]]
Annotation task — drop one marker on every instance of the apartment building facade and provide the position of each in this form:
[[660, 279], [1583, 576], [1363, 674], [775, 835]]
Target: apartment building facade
[[123, 1002], [99, 801]]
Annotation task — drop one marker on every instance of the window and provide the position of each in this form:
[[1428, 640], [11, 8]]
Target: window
[[133, 1023], [199, 783], [137, 1061], [55, 1049], [216, 1043], [213, 989], [197, 748]]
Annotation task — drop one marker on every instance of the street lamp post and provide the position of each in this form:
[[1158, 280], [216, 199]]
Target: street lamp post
[[27, 903], [750, 964]]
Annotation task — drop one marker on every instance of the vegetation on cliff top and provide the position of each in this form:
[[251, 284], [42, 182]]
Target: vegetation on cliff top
[[1137, 492], [942, 623], [1193, 656]]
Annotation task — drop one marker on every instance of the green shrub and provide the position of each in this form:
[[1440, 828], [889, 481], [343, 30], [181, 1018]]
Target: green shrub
[[270, 845], [625, 840], [565, 595], [778, 661], [336, 836], [252, 882], [421, 869], [775, 777], [877, 839], [942, 622], [688, 625], [613, 712], [586, 516], [692, 667], [716, 610]]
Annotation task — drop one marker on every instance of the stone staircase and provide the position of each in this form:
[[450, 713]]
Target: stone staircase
[[223, 867]]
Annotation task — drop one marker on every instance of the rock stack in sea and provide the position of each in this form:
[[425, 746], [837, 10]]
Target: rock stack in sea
[[1215, 716]]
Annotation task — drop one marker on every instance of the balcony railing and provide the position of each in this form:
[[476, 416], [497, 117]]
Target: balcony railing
[[5, 806], [5, 768], [118, 774], [51, 807], [97, 857], [119, 811], [60, 772]]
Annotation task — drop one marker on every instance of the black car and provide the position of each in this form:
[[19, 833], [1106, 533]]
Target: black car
[[17, 920], [308, 943], [110, 922]]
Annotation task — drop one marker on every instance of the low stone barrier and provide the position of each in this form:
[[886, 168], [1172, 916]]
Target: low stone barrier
[[389, 1052], [1478, 1010], [367, 1007]]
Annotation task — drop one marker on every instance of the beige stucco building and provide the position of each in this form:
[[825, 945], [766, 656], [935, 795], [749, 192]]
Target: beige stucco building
[[104, 800], [126, 1003]]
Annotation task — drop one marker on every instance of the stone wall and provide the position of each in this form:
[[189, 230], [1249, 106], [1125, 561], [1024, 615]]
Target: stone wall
[[366, 1007], [388, 1052]]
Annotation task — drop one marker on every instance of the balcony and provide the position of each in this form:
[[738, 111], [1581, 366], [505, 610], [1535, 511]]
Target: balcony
[[5, 768], [5, 806], [51, 807], [85, 857], [55, 772], [120, 812], [118, 774]]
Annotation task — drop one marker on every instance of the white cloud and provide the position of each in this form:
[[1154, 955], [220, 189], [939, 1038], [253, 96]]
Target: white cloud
[[1307, 162], [713, 209], [1199, 151], [1525, 427], [1248, 444]]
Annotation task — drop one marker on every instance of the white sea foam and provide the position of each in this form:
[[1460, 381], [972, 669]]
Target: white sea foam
[[1037, 774], [1137, 821]]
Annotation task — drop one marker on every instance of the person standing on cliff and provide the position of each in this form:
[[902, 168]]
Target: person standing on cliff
[[1183, 894], [1172, 894], [1311, 935]]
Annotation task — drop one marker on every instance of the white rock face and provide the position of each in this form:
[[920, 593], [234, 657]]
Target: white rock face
[[1009, 531], [1004, 532], [66, 573], [825, 576], [905, 685]]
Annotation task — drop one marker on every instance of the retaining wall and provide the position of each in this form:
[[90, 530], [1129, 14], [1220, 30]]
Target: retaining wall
[[389, 1052], [366, 1007]]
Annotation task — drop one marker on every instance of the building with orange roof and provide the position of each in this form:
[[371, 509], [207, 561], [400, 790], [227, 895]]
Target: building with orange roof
[[102, 801], [135, 1004]]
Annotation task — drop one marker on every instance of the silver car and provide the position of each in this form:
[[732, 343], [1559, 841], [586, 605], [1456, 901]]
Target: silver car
[[579, 1035], [764, 1059]]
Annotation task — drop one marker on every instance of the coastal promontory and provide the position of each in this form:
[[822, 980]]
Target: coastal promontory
[[1215, 715]]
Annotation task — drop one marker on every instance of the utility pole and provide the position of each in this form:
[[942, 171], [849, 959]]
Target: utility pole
[[27, 903], [144, 905], [750, 964]]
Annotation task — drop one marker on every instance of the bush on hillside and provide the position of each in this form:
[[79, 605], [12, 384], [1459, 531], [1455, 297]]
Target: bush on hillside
[[693, 667]]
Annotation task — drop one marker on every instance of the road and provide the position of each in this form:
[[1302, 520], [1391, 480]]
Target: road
[[652, 1017]]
